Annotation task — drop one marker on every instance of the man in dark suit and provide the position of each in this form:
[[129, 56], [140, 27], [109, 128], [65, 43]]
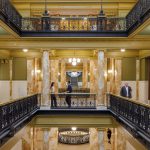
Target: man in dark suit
[[68, 96], [126, 91]]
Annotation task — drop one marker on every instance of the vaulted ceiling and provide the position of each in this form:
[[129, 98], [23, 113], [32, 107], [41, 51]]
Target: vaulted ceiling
[[73, 7]]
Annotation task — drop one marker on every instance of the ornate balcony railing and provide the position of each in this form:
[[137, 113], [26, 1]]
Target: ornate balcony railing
[[9, 14], [15, 112], [55, 24], [133, 112], [91, 26], [139, 13], [78, 100]]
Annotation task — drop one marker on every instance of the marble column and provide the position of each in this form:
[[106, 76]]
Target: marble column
[[137, 78], [111, 73], [85, 74], [30, 76], [117, 73], [37, 63], [33, 76], [93, 76], [46, 78], [63, 74], [54, 70], [106, 78], [101, 79], [94, 145], [10, 75], [101, 140]]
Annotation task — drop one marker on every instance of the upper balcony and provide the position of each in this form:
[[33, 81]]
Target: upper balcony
[[81, 26]]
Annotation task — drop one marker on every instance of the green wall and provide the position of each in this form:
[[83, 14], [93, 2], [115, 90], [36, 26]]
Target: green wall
[[129, 69], [19, 69], [144, 69], [4, 70]]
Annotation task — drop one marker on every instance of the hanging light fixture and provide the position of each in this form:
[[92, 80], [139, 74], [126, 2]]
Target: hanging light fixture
[[45, 11], [101, 14], [74, 60]]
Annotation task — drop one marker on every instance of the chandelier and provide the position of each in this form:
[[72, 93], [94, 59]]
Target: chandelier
[[74, 61]]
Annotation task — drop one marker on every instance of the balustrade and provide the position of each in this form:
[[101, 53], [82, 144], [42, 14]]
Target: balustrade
[[14, 111], [72, 24], [136, 113], [78, 100]]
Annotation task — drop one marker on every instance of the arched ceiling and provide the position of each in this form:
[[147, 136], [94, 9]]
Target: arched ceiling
[[73, 7]]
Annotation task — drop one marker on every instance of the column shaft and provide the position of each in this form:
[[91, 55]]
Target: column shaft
[[46, 78], [101, 79], [85, 74], [63, 74]]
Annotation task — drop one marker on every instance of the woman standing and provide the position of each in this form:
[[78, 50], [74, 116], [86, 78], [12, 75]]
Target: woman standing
[[53, 97]]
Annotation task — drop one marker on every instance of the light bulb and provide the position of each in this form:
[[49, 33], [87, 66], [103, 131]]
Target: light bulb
[[25, 50], [122, 50], [78, 60], [70, 60], [74, 63], [74, 59], [74, 128]]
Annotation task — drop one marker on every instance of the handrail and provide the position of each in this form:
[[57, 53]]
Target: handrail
[[137, 14], [95, 24], [17, 99], [135, 114], [130, 100]]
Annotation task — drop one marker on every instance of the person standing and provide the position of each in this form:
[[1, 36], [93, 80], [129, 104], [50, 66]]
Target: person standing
[[68, 96], [126, 91], [53, 97]]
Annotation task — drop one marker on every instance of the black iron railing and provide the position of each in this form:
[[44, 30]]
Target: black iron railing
[[135, 113], [55, 24], [52, 24], [9, 13], [15, 112], [76, 100], [139, 13]]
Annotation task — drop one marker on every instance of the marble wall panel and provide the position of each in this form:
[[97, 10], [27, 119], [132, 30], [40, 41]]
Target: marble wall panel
[[19, 89], [4, 91], [63, 74], [93, 76], [54, 70], [85, 74]]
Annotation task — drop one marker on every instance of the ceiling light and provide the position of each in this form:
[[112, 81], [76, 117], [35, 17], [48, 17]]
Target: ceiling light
[[74, 63], [63, 18], [25, 50], [70, 60], [122, 50], [74, 128], [74, 59], [78, 60]]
